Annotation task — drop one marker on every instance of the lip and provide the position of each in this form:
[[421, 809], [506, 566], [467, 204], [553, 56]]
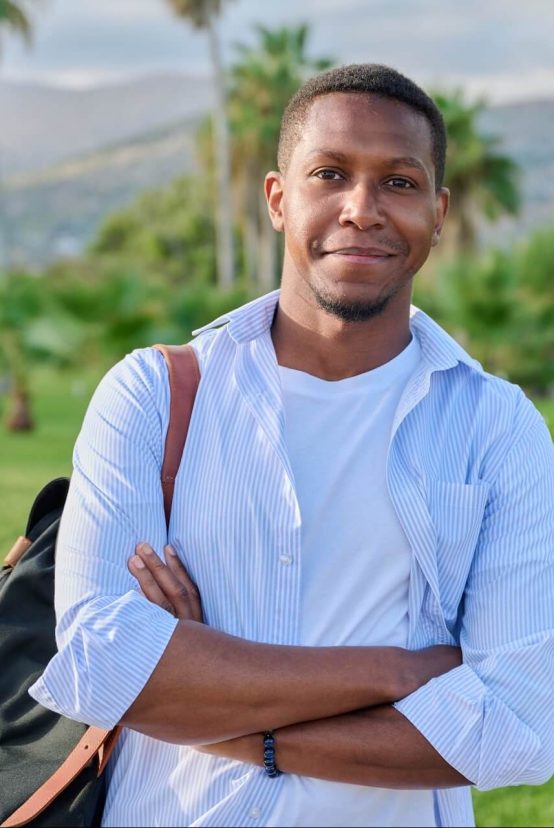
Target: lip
[[363, 255], [363, 251]]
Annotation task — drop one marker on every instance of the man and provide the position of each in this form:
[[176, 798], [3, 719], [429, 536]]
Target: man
[[357, 499]]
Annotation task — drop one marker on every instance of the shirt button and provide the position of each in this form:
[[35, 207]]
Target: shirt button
[[255, 813], [286, 560]]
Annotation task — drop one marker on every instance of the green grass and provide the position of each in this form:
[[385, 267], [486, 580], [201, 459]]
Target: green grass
[[30, 459], [27, 461], [514, 807]]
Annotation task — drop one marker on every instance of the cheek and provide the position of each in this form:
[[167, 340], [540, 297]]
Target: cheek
[[419, 224], [302, 224]]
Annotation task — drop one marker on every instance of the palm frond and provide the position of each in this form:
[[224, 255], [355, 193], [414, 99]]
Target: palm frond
[[197, 12], [13, 16]]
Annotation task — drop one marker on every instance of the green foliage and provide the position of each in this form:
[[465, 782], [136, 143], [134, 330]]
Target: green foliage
[[501, 307], [195, 305], [14, 16], [170, 232], [32, 326], [482, 180], [197, 12], [263, 79], [115, 306]]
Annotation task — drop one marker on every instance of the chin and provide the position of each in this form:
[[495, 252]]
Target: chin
[[348, 307]]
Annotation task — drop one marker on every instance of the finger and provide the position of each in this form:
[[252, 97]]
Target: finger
[[176, 566], [148, 585], [173, 589]]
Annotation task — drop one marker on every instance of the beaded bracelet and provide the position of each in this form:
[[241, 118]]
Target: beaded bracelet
[[269, 755]]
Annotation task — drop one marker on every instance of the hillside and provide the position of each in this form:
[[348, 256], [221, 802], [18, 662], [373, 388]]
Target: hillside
[[56, 212], [43, 125]]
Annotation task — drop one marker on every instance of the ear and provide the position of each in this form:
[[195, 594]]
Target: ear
[[441, 209], [273, 187]]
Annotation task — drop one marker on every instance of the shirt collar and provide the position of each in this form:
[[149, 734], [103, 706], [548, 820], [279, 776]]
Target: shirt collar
[[438, 348], [249, 321]]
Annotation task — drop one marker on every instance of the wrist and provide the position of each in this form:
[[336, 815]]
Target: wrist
[[269, 754]]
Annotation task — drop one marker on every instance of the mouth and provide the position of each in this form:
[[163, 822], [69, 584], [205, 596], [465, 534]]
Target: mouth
[[363, 255]]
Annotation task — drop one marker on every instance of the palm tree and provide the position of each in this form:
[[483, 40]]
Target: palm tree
[[262, 82], [20, 306], [14, 16], [482, 180], [202, 14]]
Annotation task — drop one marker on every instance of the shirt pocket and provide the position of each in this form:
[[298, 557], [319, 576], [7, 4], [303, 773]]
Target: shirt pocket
[[456, 510]]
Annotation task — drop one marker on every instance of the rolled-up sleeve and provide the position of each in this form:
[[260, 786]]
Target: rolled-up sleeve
[[109, 637], [492, 718]]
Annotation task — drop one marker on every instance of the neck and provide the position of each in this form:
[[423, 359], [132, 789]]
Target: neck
[[310, 339]]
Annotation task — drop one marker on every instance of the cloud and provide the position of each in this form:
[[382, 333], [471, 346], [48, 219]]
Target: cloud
[[477, 42]]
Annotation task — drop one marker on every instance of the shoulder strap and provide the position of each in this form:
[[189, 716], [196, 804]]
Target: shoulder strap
[[184, 376]]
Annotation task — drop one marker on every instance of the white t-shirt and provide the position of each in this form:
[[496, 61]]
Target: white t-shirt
[[355, 559]]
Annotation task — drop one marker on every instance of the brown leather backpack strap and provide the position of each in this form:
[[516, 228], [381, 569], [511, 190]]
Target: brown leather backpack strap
[[184, 376], [93, 741]]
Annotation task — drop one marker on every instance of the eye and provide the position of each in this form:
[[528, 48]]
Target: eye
[[327, 174], [399, 183]]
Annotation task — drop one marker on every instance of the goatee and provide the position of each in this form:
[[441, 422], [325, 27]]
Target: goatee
[[350, 311]]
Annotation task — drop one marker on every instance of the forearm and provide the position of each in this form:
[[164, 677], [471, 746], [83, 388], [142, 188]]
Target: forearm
[[378, 747], [209, 686]]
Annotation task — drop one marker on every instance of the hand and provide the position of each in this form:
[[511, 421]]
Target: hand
[[166, 584]]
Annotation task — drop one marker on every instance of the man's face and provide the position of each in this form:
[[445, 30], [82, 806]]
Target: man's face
[[358, 204]]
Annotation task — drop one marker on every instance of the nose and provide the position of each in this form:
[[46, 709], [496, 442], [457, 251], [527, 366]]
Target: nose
[[362, 207]]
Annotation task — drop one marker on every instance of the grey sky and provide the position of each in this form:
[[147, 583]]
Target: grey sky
[[500, 47]]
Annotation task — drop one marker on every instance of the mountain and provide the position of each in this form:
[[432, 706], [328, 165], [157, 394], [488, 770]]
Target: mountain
[[56, 212], [43, 125], [105, 146]]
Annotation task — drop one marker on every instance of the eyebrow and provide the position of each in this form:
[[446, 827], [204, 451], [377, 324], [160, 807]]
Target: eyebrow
[[401, 161], [408, 161], [338, 156]]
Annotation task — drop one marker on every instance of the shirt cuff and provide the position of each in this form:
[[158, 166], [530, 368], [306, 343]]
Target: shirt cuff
[[472, 730], [110, 653]]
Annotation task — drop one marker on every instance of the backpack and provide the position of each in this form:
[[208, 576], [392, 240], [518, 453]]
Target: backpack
[[52, 767]]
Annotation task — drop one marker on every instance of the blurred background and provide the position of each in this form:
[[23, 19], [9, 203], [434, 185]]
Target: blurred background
[[134, 137]]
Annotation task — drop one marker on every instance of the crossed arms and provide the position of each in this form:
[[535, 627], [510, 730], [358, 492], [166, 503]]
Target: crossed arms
[[329, 705]]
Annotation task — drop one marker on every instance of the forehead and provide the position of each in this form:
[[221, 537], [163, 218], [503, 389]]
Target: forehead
[[351, 122]]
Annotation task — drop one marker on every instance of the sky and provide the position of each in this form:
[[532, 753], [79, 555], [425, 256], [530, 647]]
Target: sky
[[499, 48]]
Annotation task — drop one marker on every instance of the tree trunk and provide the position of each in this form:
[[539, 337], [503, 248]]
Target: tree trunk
[[224, 218], [268, 248], [5, 252], [250, 221], [19, 413], [463, 214]]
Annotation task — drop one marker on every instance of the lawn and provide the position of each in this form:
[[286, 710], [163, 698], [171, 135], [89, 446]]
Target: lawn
[[27, 461]]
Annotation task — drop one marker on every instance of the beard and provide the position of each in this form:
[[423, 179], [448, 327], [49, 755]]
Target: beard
[[351, 311]]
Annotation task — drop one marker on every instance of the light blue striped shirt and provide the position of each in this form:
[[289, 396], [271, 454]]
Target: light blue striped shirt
[[471, 476]]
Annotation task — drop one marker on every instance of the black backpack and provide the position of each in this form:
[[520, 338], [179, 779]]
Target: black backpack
[[52, 767]]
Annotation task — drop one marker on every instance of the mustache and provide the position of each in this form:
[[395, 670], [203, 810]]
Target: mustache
[[392, 246]]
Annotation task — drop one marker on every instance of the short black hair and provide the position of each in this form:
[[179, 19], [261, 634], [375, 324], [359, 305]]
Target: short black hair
[[368, 78]]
